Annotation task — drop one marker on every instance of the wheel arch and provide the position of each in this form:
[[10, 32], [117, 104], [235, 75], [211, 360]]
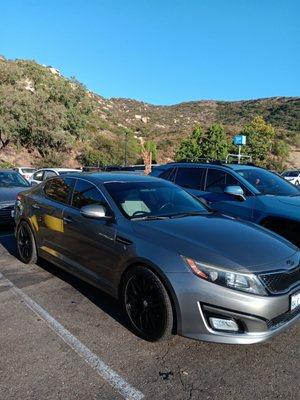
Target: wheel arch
[[285, 227], [164, 280], [31, 226]]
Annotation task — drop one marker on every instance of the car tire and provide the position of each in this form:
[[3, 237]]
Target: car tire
[[147, 305], [26, 244]]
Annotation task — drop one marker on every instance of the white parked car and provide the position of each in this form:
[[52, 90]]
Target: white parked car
[[292, 176], [26, 172], [45, 173]]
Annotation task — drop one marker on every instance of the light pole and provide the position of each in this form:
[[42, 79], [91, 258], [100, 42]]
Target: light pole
[[125, 148]]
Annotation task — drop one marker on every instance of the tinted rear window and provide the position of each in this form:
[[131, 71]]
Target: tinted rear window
[[58, 190], [190, 178]]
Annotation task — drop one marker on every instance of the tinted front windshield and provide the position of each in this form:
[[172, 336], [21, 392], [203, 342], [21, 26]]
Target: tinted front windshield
[[28, 170], [139, 199], [68, 172], [291, 173], [268, 183], [12, 179]]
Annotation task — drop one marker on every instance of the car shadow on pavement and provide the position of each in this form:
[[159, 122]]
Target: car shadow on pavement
[[105, 302]]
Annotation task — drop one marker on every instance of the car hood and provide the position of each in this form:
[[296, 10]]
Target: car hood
[[287, 206], [8, 195], [221, 241]]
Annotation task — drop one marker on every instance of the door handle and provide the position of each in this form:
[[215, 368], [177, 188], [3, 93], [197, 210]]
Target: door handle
[[36, 206], [67, 220]]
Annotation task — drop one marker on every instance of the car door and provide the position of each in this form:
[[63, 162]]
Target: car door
[[89, 244], [191, 179], [48, 212], [215, 183]]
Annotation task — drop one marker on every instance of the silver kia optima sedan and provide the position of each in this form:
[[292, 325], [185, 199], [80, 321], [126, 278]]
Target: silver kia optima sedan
[[176, 266]]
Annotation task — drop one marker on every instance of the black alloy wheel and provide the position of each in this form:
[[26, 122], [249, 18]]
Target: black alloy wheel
[[26, 244], [148, 305]]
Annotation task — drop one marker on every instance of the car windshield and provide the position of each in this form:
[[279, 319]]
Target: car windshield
[[153, 199], [268, 183], [28, 170], [67, 172], [12, 179], [291, 174]]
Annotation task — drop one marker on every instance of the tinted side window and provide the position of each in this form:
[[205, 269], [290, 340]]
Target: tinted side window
[[38, 176], [85, 193], [168, 174], [156, 171], [190, 178], [57, 190], [49, 174], [217, 180]]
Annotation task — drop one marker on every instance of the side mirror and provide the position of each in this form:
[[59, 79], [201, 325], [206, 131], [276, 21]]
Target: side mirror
[[235, 191], [95, 211]]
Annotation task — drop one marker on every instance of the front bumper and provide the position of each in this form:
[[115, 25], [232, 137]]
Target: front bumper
[[259, 317], [6, 213]]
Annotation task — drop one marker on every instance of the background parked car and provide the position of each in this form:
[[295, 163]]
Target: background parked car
[[45, 173], [26, 172], [243, 191], [292, 176], [11, 183]]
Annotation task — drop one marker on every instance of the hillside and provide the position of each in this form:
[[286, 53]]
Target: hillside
[[46, 118]]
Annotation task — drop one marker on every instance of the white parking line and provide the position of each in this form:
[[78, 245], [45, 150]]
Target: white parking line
[[115, 380]]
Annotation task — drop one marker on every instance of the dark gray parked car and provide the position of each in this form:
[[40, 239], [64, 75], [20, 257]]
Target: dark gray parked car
[[11, 183], [175, 265]]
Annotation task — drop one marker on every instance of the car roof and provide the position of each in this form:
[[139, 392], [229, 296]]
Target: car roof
[[234, 167], [108, 177], [58, 169]]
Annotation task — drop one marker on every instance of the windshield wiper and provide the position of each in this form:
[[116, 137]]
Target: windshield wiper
[[150, 218], [188, 214]]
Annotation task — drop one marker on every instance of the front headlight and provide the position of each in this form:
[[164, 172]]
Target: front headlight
[[233, 280]]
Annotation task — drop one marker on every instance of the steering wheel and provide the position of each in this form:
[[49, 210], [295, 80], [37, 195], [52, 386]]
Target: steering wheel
[[139, 213], [161, 208]]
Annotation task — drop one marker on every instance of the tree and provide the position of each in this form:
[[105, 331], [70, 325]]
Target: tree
[[281, 152], [41, 110], [211, 146], [151, 147], [190, 148], [215, 146], [260, 140], [8, 123]]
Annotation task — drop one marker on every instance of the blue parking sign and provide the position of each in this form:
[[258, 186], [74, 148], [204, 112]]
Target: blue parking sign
[[239, 140]]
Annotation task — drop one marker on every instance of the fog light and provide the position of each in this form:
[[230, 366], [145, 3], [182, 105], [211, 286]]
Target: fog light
[[221, 324]]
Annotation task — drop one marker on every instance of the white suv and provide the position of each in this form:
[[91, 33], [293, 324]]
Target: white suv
[[45, 173], [292, 176]]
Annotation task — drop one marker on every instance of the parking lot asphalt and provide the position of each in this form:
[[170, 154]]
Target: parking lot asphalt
[[60, 338]]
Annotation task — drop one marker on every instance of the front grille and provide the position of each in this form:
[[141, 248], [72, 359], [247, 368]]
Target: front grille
[[5, 213], [281, 282], [282, 319]]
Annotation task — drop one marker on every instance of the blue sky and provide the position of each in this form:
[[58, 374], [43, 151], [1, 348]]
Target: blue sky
[[162, 51]]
